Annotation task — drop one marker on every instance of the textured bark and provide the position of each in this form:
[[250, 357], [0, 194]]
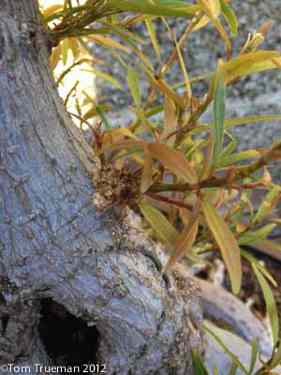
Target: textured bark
[[53, 244]]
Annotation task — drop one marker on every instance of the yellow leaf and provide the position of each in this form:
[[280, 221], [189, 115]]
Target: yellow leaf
[[170, 121], [185, 73], [173, 160], [212, 9], [162, 227], [74, 45], [146, 179], [110, 143], [168, 91], [215, 7], [184, 242], [185, 215], [65, 50], [118, 136], [249, 63], [227, 243], [107, 77], [55, 57], [51, 10], [107, 42], [133, 80], [201, 23], [250, 120], [152, 33]]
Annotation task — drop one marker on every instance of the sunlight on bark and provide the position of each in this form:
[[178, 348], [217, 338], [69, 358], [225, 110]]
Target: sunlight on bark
[[83, 74]]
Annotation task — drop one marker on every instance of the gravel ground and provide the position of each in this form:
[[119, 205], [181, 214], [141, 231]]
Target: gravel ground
[[257, 94]]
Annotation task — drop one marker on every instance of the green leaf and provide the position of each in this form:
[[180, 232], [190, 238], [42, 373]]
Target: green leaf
[[217, 334], [226, 160], [249, 120], [271, 307], [156, 7], [161, 226], [229, 16], [198, 364], [227, 243], [270, 201], [276, 358], [134, 85], [252, 236], [233, 369], [107, 77], [219, 114], [152, 33], [229, 149], [254, 355], [103, 117], [260, 266]]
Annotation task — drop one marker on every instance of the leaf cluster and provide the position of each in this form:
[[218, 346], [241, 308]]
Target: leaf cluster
[[196, 192]]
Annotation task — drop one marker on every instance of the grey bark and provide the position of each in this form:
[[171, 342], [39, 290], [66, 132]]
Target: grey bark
[[53, 244]]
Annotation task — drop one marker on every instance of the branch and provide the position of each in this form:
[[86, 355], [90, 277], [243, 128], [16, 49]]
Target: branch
[[237, 175]]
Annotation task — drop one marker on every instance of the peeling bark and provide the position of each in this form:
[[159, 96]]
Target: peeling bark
[[53, 244]]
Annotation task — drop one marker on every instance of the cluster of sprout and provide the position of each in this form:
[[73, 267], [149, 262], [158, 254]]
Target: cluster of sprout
[[186, 177]]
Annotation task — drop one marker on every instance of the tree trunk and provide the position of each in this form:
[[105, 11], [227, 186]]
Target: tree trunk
[[71, 278]]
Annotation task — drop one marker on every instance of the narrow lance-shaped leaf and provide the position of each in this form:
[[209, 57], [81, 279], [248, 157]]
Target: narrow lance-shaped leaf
[[185, 73], [276, 358], [167, 90], [249, 120], [152, 33], [229, 16], [198, 364], [270, 247], [51, 10], [212, 10], [146, 179], [233, 369], [170, 121], [219, 115], [134, 85], [254, 355], [161, 226], [242, 121], [217, 334], [250, 237], [107, 77], [249, 63], [173, 160], [156, 7], [271, 307], [227, 243], [107, 42], [268, 204], [236, 157], [55, 57], [260, 266], [184, 242]]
